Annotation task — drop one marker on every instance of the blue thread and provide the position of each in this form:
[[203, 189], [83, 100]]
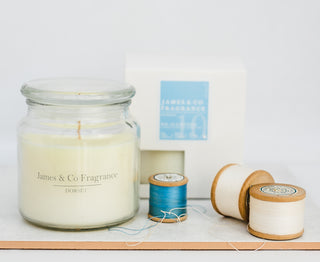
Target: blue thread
[[134, 231], [168, 202]]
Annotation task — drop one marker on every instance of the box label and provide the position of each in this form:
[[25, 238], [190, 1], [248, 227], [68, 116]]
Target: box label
[[184, 110]]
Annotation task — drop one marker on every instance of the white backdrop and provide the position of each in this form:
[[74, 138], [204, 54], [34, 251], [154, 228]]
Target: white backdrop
[[277, 40]]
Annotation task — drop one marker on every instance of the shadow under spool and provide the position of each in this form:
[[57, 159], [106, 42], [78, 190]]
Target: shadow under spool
[[168, 197]]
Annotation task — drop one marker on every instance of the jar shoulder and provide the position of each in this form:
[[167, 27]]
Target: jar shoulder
[[77, 128]]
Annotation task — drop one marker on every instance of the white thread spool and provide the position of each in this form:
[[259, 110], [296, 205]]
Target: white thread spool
[[276, 211], [230, 187]]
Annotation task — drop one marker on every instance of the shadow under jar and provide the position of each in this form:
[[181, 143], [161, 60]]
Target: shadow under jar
[[78, 154]]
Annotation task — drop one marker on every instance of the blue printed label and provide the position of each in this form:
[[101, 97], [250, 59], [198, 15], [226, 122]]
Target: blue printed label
[[184, 110]]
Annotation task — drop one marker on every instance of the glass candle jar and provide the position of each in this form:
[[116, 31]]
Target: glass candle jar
[[78, 154]]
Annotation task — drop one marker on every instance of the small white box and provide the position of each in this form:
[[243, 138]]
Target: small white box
[[191, 112]]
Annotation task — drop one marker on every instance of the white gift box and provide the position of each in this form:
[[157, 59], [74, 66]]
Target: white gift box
[[191, 112]]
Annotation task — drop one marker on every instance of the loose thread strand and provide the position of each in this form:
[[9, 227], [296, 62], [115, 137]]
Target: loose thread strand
[[152, 227]]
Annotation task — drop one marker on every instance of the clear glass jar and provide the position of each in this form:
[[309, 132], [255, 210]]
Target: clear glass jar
[[78, 154]]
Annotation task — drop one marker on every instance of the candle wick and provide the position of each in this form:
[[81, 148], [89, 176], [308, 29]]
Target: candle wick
[[78, 131]]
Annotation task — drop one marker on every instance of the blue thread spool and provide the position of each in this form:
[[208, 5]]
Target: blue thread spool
[[168, 197]]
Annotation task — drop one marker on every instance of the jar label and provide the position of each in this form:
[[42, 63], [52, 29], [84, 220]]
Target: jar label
[[184, 110], [74, 182], [71, 181], [76, 164]]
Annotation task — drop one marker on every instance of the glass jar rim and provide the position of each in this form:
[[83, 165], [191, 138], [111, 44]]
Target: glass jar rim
[[77, 91]]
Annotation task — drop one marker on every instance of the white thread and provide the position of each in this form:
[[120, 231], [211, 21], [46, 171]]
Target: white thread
[[276, 218], [252, 251], [148, 235], [257, 249], [203, 213], [150, 228], [228, 189]]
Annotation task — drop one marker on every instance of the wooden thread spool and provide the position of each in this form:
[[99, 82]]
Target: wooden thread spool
[[168, 197], [276, 211], [230, 187]]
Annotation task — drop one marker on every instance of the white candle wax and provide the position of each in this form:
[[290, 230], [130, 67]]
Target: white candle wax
[[78, 182]]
